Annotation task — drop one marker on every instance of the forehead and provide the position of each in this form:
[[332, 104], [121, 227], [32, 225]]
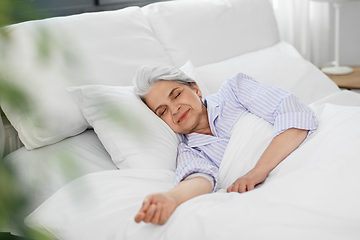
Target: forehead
[[159, 93]]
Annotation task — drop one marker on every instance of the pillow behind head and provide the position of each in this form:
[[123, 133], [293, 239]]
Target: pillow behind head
[[92, 48], [131, 133]]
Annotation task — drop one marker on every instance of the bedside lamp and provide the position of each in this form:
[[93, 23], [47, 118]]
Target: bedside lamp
[[336, 69]]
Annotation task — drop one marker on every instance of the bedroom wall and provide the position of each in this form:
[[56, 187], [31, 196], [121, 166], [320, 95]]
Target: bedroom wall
[[349, 34]]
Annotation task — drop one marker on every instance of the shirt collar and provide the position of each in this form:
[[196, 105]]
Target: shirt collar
[[213, 113], [196, 139]]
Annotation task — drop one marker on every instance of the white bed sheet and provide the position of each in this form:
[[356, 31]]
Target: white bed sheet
[[313, 194], [43, 171]]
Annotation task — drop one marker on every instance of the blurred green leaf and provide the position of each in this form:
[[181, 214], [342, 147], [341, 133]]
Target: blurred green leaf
[[15, 11], [13, 200], [44, 44], [13, 95], [13, 204], [123, 117]]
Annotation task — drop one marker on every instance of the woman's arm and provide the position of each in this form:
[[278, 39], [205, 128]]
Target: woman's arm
[[273, 104], [279, 148], [157, 208]]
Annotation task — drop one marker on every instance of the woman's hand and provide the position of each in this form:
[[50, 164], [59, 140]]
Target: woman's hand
[[279, 148], [248, 181], [156, 209]]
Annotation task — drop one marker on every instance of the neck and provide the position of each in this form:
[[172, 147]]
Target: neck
[[206, 131], [204, 125]]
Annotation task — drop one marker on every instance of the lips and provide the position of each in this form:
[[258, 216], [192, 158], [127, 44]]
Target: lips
[[183, 116]]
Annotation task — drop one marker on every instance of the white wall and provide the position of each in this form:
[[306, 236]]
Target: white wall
[[349, 34]]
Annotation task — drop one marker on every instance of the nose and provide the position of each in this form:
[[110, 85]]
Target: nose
[[174, 109]]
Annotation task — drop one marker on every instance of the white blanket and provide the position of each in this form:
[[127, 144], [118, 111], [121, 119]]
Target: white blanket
[[312, 194]]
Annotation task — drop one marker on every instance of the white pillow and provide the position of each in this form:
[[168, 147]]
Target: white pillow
[[207, 31], [190, 71], [131, 133], [93, 48], [280, 65]]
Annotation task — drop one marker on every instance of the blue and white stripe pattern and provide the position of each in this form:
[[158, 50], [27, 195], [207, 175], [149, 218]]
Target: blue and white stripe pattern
[[238, 96]]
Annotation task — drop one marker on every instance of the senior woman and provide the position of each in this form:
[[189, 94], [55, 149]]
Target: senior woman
[[206, 126]]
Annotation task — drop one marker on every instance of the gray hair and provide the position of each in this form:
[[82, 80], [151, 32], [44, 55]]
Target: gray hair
[[147, 76]]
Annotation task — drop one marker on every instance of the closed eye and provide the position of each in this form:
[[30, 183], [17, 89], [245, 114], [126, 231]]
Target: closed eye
[[161, 112], [177, 95]]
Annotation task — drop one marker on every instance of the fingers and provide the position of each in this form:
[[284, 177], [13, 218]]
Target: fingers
[[157, 215], [139, 217], [151, 211], [154, 214], [240, 186], [164, 217], [146, 203], [250, 187], [230, 188]]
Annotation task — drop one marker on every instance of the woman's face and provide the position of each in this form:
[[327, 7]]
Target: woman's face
[[178, 105]]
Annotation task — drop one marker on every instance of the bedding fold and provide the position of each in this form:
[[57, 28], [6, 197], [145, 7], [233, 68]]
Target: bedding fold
[[313, 194]]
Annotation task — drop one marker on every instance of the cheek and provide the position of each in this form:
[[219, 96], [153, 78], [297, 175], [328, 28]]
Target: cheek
[[197, 103], [168, 120]]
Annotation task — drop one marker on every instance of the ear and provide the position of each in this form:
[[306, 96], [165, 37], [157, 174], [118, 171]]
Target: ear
[[196, 89]]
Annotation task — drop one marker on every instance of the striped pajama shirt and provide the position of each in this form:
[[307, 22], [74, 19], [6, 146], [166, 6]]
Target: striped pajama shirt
[[239, 95]]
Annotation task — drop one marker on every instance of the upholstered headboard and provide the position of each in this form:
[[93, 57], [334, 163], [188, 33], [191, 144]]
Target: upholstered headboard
[[107, 48]]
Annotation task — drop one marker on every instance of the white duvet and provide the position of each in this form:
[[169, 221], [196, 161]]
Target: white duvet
[[312, 194]]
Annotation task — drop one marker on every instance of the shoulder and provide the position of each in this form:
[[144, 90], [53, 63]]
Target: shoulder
[[241, 80], [238, 85], [238, 82], [235, 89]]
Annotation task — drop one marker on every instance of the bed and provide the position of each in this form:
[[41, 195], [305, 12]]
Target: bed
[[99, 150]]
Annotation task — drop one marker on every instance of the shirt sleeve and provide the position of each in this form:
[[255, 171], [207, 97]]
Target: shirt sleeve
[[275, 105], [208, 177], [190, 161]]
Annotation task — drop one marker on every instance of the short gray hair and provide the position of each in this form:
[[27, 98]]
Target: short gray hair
[[147, 76]]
